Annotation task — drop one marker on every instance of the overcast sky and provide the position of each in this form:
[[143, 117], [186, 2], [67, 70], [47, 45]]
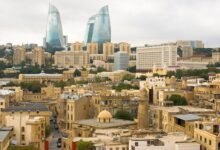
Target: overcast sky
[[138, 22]]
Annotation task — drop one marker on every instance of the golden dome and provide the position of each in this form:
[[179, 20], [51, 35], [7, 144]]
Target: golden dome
[[105, 115]]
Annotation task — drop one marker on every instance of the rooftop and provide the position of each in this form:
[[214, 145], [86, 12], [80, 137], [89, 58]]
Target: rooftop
[[6, 92], [3, 135], [176, 109], [26, 108], [113, 124], [188, 117]]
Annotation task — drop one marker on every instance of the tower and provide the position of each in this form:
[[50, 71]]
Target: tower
[[143, 108], [99, 29], [54, 39]]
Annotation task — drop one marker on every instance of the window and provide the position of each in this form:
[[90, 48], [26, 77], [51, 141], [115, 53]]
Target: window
[[210, 142], [136, 143], [205, 140], [117, 148], [22, 129], [200, 138], [22, 137]]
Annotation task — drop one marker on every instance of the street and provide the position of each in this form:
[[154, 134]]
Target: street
[[54, 137]]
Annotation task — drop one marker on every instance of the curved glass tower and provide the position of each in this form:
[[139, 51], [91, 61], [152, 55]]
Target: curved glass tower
[[99, 28], [54, 35]]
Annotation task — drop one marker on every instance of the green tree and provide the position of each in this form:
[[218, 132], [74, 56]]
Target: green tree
[[83, 145], [47, 131], [178, 100], [77, 73], [100, 69], [121, 114], [128, 77], [132, 69]]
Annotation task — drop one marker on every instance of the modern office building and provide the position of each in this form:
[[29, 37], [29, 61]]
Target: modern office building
[[156, 56], [54, 40], [121, 60], [99, 28]]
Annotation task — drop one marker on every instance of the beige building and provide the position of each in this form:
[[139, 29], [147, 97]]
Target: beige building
[[77, 46], [68, 107], [114, 76], [166, 118], [125, 47], [5, 139], [207, 134], [92, 48], [71, 58], [156, 56], [215, 56], [28, 122], [108, 49], [38, 56], [45, 77], [19, 55]]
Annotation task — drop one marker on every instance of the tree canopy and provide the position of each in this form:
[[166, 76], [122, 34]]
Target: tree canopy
[[121, 114], [178, 100], [83, 145]]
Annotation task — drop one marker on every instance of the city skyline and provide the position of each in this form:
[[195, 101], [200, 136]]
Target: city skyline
[[145, 22]]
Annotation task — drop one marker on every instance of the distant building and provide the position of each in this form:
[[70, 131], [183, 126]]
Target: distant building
[[71, 58], [38, 56], [125, 47], [19, 55], [45, 77], [108, 49], [193, 44], [92, 48], [77, 46], [160, 56], [121, 60]]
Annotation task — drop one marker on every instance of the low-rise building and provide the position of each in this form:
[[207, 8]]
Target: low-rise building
[[29, 123], [171, 141]]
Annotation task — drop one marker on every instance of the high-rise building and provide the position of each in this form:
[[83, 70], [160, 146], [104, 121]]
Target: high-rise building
[[38, 56], [54, 40], [19, 55], [193, 44], [156, 56], [121, 60], [99, 28]]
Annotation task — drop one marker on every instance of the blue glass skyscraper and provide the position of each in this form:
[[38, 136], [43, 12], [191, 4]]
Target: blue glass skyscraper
[[99, 28], [54, 40]]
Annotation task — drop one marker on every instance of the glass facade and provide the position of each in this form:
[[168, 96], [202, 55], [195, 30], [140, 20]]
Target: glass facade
[[99, 28], [54, 35]]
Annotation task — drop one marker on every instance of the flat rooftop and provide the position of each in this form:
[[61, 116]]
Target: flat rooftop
[[176, 109], [26, 108], [188, 117], [3, 135], [115, 123]]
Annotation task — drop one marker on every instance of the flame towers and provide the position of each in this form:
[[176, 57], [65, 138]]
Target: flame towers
[[99, 28], [54, 39]]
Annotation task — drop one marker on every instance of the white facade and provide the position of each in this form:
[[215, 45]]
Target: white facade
[[160, 56]]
